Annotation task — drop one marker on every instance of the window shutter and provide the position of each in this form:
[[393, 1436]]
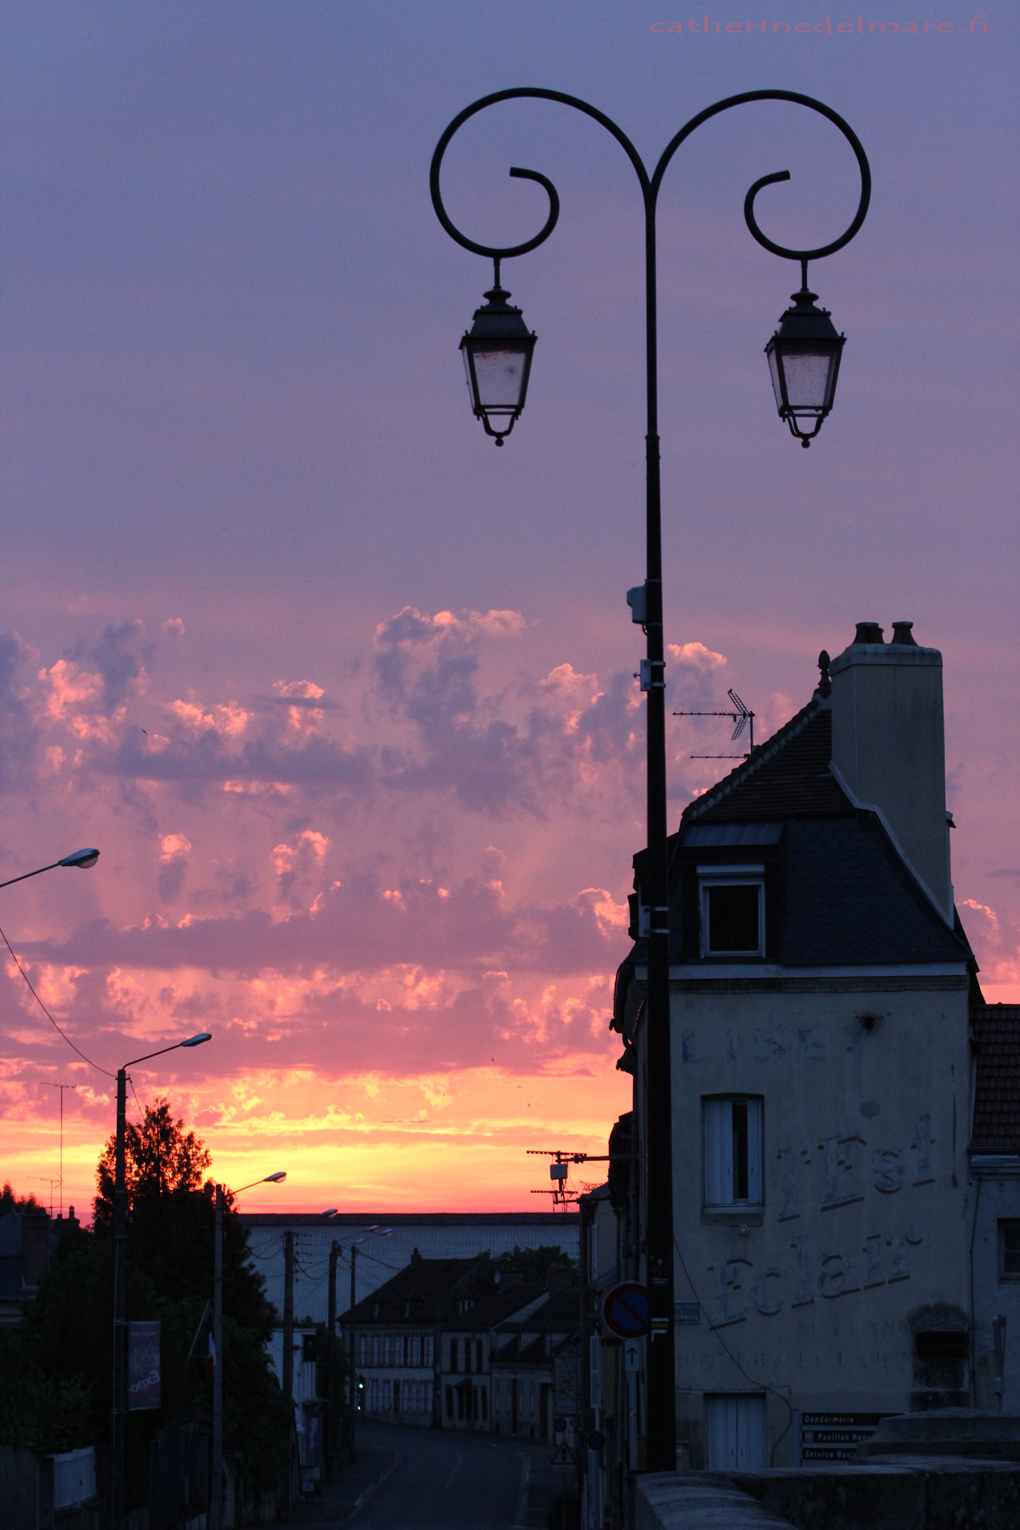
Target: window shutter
[[718, 1152], [754, 1153]]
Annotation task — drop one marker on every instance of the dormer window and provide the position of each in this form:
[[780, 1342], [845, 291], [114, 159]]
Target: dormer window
[[732, 910]]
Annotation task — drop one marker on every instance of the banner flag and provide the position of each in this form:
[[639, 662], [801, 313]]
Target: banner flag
[[143, 1365]]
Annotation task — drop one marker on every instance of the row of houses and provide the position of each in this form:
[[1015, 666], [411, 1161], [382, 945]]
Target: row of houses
[[845, 1105], [455, 1344]]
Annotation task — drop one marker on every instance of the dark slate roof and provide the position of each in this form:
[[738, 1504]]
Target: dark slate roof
[[997, 1086], [850, 899], [491, 1310], [425, 1291], [560, 1314], [846, 896], [786, 777]]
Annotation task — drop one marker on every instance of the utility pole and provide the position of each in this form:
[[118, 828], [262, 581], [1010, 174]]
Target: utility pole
[[119, 1311], [334, 1251], [288, 1350], [354, 1375], [61, 1087], [216, 1504]]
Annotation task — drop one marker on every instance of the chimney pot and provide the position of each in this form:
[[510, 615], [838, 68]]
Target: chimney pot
[[869, 632], [901, 633]]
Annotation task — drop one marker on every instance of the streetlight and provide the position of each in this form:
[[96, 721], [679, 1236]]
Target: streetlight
[[119, 1291], [216, 1500], [375, 1231], [83, 859], [804, 359]]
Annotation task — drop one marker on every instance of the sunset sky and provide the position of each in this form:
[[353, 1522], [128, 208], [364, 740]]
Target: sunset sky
[[343, 693]]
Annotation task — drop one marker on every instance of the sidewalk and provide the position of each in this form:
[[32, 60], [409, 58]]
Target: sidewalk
[[355, 1482]]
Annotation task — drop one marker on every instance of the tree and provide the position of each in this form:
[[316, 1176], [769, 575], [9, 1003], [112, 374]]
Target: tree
[[534, 1263], [10, 1202], [159, 1158]]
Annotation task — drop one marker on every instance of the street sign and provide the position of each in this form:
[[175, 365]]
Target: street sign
[[625, 1310], [559, 1424], [632, 1355], [596, 1440], [563, 1456], [687, 1312]]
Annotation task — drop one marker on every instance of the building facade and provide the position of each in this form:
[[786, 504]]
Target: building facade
[[823, 1087], [995, 1172], [453, 1344]]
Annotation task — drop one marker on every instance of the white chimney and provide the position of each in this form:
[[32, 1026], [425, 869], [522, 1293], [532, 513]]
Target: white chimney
[[888, 747]]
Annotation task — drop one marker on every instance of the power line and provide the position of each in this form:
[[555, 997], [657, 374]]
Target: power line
[[49, 1017]]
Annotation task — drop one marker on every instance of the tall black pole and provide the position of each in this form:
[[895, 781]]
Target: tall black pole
[[117, 1461], [353, 1415], [216, 1506], [334, 1250], [661, 1375], [288, 1357]]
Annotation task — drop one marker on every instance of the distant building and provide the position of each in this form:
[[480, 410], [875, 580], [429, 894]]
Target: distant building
[[995, 1169], [29, 1241], [452, 1344], [436, 1235]]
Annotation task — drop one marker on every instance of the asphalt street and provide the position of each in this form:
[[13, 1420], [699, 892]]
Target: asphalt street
[[418, 1479]]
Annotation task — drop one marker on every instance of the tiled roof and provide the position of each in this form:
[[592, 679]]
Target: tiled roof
[[497, 1307], [786, 777], [424, 1291], [997, 1086]]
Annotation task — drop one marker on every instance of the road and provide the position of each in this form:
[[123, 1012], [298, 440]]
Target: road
[[419, 1479]]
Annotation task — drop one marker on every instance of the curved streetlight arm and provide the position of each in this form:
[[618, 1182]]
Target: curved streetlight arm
[[81, 858], [192, 1041], [649, 184]]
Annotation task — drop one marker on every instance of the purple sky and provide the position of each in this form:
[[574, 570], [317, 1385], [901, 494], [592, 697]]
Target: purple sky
[[376, 851]]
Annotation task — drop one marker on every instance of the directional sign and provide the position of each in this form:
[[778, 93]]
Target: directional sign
[[564, 1456], [625, 1310], [631, 1355]]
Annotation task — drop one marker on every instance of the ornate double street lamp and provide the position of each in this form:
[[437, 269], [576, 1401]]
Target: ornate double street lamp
[[120, 1368], [803, 356]]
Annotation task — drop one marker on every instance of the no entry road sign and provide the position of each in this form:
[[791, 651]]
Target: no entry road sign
[[625, 1310]]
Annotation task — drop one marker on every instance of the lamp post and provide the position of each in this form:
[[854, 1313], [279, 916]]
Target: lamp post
[[373, 1232], [119, 1407], [804, 359], [83, 859], [216, 1497]]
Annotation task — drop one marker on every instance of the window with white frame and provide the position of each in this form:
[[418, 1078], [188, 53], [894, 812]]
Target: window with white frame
[[732, 910], [362, 1349], [733, 1151]]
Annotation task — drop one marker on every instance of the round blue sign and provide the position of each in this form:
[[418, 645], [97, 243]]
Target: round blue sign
[[596, 1440], [625, 1310]]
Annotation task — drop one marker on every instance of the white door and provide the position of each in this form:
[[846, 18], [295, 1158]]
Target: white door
[[735, 1431]]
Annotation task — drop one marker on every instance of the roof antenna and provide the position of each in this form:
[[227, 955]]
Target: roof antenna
[[741, 717], [824, 683]]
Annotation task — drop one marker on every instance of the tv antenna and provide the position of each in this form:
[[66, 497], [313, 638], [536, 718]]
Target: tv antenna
[[742, 717], [560, 1168]]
